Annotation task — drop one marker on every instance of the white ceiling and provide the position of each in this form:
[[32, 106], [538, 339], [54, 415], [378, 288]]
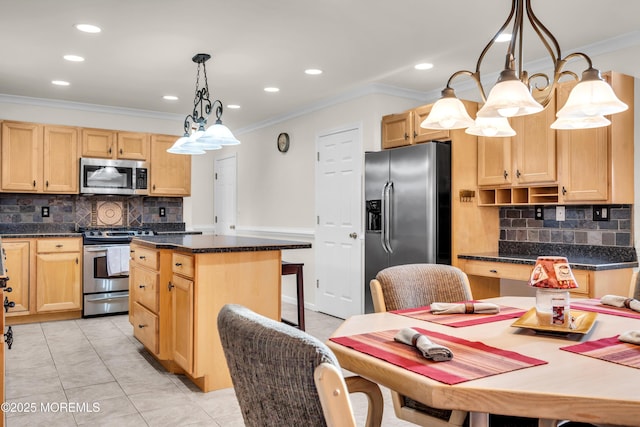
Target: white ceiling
[[145, 48]]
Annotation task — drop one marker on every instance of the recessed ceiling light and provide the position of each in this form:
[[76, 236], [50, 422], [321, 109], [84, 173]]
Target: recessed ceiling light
[[88, 28], [60, 83], [73, 58], [423, 66], [170, 97], [313, 71], [271, 89], [504, 37], [233, 106]]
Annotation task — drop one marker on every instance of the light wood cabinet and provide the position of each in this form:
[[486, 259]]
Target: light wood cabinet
[[58, 275], [110, 144], [18, 270], [39, 159], [421, 134], [182, 305], [597, 164], [404, 128], [170, 174], [529, 157]]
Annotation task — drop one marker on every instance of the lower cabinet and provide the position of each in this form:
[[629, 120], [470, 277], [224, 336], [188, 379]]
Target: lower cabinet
[[46, 278], [182, 316]]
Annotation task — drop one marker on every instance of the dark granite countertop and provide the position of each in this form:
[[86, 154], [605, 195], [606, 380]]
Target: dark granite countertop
[[213, 243], [581, 257], [177, 233]]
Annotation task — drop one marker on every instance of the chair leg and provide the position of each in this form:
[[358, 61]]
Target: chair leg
[[374, 396]]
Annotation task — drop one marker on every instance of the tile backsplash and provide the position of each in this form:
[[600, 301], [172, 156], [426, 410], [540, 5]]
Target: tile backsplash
[[518, 224], [22, 213]]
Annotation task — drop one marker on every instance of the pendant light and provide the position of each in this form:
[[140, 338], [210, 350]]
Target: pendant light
[[197, 139], [588, 102]]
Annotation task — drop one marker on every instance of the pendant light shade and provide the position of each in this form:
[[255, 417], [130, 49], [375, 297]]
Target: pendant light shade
[[491, 126], [447, 113], [203, 139], [591, 97], [509, 98], [572, 123]]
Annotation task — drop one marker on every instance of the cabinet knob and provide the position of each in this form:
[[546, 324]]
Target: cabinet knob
[[59, 246], [415, 134], [121, 151], [517, 173], [46, 183], [142, 326], [564, 190], [493, 271], [8, 304], [9, 289], [142, 257], [153, 187], [178, 264], [34, 183], [109, 150], [170, 286], [8, 337], [141, 286], [505, 174], [406, 136]]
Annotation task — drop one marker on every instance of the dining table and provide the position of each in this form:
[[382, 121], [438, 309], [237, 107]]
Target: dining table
[[520, 368]]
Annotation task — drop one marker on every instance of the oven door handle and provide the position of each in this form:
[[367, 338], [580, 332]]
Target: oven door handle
[[108, 298]]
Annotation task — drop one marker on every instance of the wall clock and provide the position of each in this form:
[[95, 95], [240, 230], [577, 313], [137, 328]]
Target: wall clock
[[283, 142]]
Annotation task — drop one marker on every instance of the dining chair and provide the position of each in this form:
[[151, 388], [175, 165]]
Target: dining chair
[[283, 376], [417, 285]]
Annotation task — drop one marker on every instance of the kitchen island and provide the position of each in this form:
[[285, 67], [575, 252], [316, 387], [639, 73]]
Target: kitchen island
[[179, 283]]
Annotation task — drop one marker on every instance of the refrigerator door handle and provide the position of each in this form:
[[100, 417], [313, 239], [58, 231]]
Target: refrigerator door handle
[[383, 230], [388, 194]]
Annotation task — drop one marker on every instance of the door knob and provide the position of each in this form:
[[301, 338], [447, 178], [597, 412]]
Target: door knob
[[353, 235]]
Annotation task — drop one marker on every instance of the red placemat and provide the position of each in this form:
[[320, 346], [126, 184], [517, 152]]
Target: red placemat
[[460, 320], [594, 304], [471, 359], [609, 349]]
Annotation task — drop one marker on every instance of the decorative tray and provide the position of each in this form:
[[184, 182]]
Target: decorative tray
[[582, 322]]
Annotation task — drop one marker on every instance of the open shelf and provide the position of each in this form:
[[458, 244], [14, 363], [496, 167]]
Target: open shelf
[[510, 196]]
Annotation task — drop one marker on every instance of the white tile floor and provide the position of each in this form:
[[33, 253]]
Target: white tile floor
[[97, 361]]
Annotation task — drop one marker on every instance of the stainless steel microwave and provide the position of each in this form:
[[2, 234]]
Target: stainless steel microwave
[[105, 176]]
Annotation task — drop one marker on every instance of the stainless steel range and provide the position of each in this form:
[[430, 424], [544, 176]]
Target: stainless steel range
[[106, 270]]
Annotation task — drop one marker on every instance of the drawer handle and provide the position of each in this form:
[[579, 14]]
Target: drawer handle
[[59, 245], [493, 271], [142, 326], [178, 264], [142, 257], [141, 286]]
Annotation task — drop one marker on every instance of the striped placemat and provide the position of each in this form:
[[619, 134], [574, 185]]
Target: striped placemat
[[460, 320], [609, 349], [471, 359], [594, 304]]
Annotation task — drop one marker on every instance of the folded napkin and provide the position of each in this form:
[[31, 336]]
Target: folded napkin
[[618, 301], [632, 337], [464, 307], [435, 352]]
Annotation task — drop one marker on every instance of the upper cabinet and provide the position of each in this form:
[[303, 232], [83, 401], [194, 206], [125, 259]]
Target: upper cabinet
[[109, 144], [564, 166], [527, 158], [170, 174], [39, 158]]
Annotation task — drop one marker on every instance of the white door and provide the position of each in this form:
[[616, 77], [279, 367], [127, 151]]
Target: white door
[[224, 192], [339, 223]]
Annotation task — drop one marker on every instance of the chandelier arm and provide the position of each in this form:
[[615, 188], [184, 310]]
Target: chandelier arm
[[475, 76], [493, 39], [544, 34], [516, 34], [218, 108], [581, 55], [187, 124]]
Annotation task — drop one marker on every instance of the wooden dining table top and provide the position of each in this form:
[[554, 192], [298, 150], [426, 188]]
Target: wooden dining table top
[[570, 386]]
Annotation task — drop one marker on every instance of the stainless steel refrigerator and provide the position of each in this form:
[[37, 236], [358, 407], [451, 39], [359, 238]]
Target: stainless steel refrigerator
[[408, 208]]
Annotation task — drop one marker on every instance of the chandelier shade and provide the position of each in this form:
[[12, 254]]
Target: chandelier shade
[[200, 140], [511, 96], [570, 123], [447, 113], [491, 126]]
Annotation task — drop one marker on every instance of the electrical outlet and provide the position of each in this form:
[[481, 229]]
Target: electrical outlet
[[601, 213], [560, 213], [538, 212], [163, 212], [45, 212]]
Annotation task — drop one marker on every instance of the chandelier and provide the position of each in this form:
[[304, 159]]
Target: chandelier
[[589, 101], [197, 139]]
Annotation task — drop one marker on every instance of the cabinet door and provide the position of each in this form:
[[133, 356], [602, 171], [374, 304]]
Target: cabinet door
[[132, 145], [534, 157], [98, 143], [58, 282], [21, 157], [182, 320], [61, 160], [585, 159], [144, 285], [494, 161], [421, 134], [17, 266], [170, 174], [397, 130]]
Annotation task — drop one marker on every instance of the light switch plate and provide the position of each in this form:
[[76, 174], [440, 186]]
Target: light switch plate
[[538, 212], [162, 212], [560, 213], [601, 213], [45, 212]]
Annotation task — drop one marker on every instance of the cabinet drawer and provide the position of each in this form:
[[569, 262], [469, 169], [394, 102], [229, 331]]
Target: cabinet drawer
[[58, 245], [145, 327], [183, 265], [583, 278], [144, 287], [150, 258], [499, 270]]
